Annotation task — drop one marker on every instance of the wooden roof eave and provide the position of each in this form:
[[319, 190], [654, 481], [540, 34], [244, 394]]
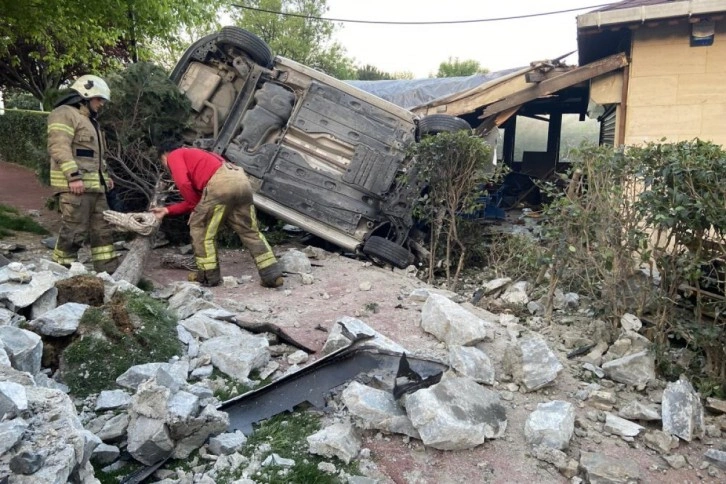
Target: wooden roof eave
[[468, 101], [551, 85]]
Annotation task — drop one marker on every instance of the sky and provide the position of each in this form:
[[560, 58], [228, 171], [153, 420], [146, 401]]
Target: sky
[[420, 49]]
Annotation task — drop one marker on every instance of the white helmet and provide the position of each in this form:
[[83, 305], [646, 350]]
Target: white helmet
[[89, 86]]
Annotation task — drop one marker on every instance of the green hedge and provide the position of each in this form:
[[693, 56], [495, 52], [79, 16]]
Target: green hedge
[[23, 141]]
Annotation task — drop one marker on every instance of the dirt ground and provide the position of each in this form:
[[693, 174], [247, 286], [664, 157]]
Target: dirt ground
[[339, 290]]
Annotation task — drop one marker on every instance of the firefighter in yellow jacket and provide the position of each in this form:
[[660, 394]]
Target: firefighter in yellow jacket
[[78, 173]]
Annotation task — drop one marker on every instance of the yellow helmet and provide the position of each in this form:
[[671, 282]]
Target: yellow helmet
[[90, 86]]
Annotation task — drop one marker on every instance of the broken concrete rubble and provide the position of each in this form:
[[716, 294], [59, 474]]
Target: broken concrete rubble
[[602, 469], [532, 363], [635, 369], [340, 440], [452, 324], [178, 411], [377, 409], [682, 411], [551, 425]]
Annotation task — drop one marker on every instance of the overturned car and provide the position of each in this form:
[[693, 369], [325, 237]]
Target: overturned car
[[320, 154]]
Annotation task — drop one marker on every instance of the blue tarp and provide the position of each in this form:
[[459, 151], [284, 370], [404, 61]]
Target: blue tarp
[[410, 93]]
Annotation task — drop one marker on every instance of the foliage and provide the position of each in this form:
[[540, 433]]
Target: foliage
[[286, 436], [305, 40], [455, 167], [15, 99], [45, 44], [510, 254], [371, 73], [683, 201], [658, 207], [23, 141], [108, 346], [453, 67], [147, 107], [105, 475], [593, 232], [11, 220]]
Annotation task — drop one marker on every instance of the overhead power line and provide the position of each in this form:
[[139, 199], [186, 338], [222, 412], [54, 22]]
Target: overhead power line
[[433, 22]]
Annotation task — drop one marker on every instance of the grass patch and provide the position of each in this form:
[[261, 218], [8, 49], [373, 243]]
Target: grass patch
[[226, 387], [286, 435], [11, 221], [109, 345], [114, 477]]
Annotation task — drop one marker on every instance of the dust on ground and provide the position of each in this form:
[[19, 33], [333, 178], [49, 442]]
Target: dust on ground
[[340, 288]]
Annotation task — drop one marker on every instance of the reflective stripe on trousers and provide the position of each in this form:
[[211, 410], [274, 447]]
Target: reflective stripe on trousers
[[227, 197]]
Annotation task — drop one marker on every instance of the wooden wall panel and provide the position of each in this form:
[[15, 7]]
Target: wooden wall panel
[[660, 121], [676, 91], [701, 88], [713, 126], [650, 91], [655, 59], [608, 88]]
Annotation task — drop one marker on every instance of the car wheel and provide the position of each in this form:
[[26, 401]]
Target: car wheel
[[197, 51], [441, 123], [249, 43], [387, 251]]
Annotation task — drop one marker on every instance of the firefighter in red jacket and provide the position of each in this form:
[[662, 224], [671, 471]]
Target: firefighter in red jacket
[[78, 173], [215, 191]]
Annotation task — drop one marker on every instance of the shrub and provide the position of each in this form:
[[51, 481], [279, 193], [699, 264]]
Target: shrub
[[455, 168], [660, 206], [593, 233], [683, 202]]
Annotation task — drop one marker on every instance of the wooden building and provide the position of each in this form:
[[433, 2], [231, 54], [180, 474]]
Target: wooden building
[[673, 86], [648, 70]]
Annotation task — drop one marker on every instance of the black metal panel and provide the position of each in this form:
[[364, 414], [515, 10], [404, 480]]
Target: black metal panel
[[371, 170], [608, 126], [295, 184], [254, 164], [314, 383], [326, 109]]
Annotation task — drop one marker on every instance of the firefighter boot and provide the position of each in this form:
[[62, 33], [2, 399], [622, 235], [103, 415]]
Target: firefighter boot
[[209, 278], [108, 266], [271, 276]]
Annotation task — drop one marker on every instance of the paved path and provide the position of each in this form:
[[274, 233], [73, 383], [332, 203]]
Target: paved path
[[20, 188]]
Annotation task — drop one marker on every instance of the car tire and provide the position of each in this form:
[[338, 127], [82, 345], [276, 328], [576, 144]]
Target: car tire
[[441, 123], [197, 51], [387, 251], [252, 45]]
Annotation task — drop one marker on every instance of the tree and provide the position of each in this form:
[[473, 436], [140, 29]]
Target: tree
[[45, 44], [371, 73], [454, 67], [305, 39], [147, 108]]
